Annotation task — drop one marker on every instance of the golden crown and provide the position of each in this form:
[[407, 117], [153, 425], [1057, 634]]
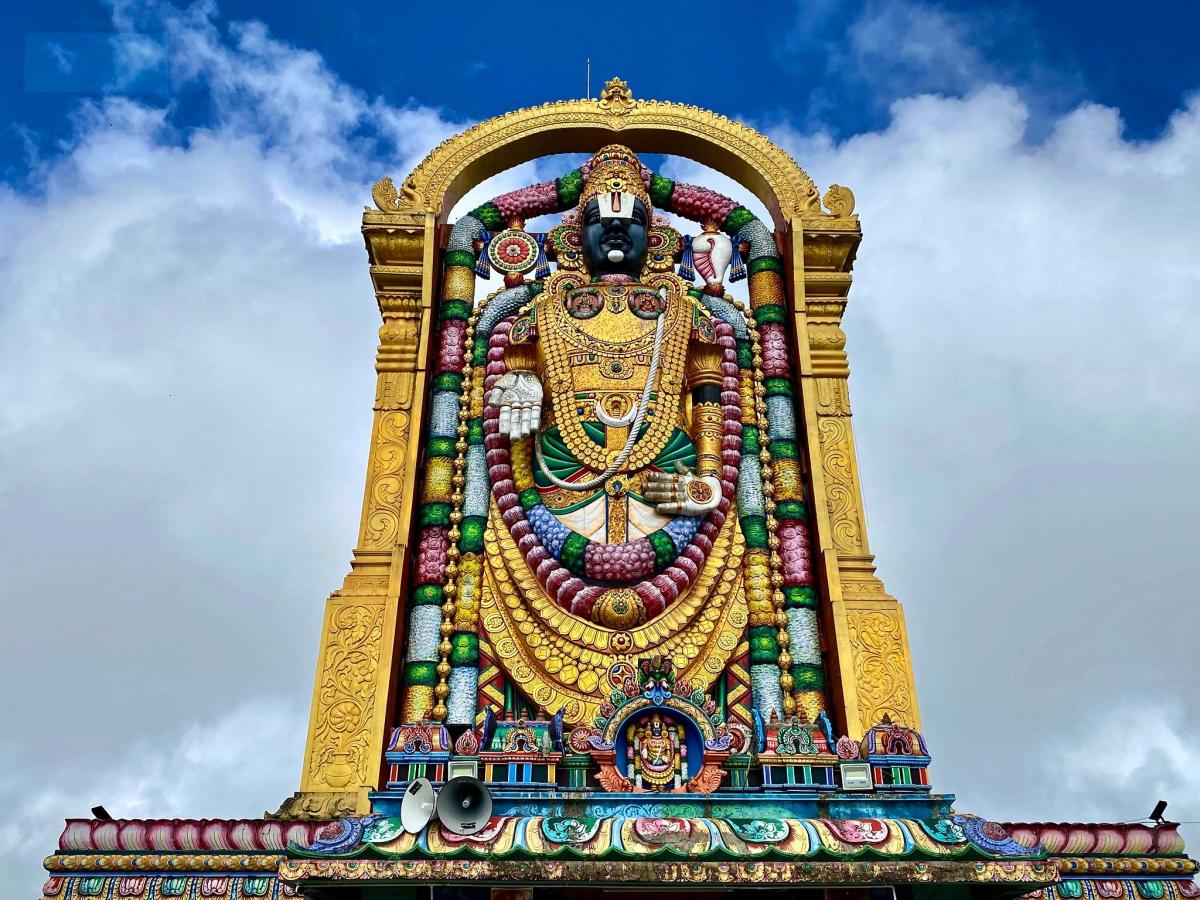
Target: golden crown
[[614, 168]]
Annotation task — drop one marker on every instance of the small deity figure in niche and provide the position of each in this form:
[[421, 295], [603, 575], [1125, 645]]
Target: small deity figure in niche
[[656, 754]]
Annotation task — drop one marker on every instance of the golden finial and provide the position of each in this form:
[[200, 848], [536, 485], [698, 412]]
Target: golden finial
[[616, 98], [839, 200], [385, 195]]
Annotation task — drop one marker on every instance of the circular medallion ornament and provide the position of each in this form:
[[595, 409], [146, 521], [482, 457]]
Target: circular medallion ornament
[[521, 329], [619, 673], [566, 246], [663, 246], [578, 739], [994, 831], [584, 303], [647, 304], [513, 251]]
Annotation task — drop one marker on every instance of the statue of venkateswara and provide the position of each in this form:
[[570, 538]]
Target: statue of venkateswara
[[612, 467]]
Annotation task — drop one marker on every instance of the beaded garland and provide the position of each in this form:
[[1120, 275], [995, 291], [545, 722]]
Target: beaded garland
[[561, 559], [466, 451]]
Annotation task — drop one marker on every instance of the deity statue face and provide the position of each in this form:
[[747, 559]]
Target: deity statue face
[[614, 228]]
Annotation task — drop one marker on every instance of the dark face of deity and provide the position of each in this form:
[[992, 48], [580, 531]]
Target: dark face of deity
[[615, 245]]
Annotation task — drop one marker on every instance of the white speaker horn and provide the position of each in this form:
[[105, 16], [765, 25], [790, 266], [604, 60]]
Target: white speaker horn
[[464, 805], [419, 806]]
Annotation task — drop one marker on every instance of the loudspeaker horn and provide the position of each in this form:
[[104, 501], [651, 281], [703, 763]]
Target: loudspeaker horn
[[464, 805], [419, 806]]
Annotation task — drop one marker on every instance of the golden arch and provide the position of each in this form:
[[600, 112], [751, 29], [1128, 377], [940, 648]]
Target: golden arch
[[581, 126]]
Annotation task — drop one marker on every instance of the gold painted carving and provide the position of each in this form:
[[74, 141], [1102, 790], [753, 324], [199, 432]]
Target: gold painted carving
[[393, 391], [306, 806], [882, 676], [652, 126], [839, 200], [342, 751], [252, 861], [385, 195], [833, 397], [826, 337], [616, 98], [841, 492], [382, 519], [623, 872], [398, 342]]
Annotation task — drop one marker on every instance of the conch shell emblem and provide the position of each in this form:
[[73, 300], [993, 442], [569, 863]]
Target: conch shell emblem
[[711, 254]]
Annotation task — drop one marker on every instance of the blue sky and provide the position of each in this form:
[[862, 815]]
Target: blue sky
[[810, 61], [187, 328]]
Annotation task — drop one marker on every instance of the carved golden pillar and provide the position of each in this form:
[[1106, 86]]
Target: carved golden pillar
[[870, 667], [360, 638]]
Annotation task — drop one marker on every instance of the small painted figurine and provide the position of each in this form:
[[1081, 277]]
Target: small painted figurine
[[657, 754]]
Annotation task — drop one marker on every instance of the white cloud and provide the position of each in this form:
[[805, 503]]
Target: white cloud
[[867, 55], [1110, 761], [136, 56], [1023, 338], [186, 341], [891, 48], [185, 351], [237, 765], [1147, 746], [63, 58], [913, 47]]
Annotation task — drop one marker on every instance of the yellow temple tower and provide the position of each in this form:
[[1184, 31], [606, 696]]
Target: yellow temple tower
[[612, 620], [870, 670]]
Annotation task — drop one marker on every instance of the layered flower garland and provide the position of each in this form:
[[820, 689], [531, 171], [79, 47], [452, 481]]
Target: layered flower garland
[[467, 459]]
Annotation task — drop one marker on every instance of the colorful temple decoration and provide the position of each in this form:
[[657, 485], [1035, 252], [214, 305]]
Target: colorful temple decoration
[[417, 751], [897, 756], [599, 547], [265, 858], [518, 754], [612, 591], [797, 755]]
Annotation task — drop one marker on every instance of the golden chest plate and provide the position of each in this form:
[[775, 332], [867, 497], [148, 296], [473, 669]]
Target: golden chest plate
[[598, 345]]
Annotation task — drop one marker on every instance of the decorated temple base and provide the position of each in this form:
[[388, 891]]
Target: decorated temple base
[[373, 857]]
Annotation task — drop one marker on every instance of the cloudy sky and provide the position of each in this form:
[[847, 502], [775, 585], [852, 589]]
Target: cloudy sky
[[187, 331]]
